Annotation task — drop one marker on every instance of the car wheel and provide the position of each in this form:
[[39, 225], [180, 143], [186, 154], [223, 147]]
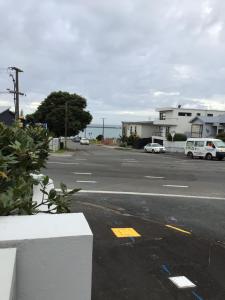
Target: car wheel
[[208, 156], [145, 150], [153, 151], [190, 155]]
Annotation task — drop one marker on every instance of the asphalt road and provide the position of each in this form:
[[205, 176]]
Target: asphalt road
[[147, 192]]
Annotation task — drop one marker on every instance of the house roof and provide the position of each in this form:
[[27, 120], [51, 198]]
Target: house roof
[[139, 123], [4, 108], [210, 120], [188, 109]]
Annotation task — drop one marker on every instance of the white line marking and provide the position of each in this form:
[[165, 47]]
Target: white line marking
[[86, 181], [77, 173], [61, 155], [156, 177], [62, 163], [81, 158], [178, 186], [129, 159], [146, 194]]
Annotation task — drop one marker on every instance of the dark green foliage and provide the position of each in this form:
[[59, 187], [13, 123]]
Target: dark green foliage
[[22, 152], [221, 136], [99, 137], [178, 137], [52, 112], [132, 140]]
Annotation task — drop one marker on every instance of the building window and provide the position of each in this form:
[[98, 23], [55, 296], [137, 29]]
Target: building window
[[184, 114], [196, 130], [135, 130], [209, 115], [162, 116], [131, 130], [167, 130], [198, 114]]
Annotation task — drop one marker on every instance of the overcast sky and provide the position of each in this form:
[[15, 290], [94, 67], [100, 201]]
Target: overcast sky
[[125, 57]]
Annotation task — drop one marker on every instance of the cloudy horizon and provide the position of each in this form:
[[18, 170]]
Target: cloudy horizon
[[127, 58]]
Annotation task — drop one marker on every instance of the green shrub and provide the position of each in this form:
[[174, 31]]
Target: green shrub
[[178, 137], [221, 136], [99, 137], [132, 140], [24, 151]]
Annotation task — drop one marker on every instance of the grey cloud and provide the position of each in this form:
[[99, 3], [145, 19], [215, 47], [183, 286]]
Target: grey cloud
[[115, 53]]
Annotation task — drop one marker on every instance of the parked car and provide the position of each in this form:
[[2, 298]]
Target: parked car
[[84, 141], [154, 148], [76, 139]]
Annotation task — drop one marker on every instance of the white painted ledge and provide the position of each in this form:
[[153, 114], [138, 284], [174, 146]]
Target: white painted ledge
[[54, 255], [7, 273]]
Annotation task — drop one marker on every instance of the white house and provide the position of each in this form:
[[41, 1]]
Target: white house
[[144, 129], [170, 120], [178, 119], [207, 126]]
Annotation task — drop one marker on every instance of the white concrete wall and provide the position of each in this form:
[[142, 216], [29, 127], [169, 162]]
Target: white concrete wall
[[8, 274], [174, 146], [54, 144], [147, 131], [54, 255]]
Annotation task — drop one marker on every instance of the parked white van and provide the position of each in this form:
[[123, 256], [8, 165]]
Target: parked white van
[[205, 147]]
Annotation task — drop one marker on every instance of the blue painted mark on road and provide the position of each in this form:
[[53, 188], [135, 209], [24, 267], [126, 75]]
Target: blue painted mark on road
[[165, 268], [197, 296]]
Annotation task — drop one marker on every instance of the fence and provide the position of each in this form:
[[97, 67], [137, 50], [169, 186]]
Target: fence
[[174, 146]]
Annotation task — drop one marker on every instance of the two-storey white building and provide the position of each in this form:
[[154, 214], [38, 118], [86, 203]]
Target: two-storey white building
[[178, 119], [171, 120]]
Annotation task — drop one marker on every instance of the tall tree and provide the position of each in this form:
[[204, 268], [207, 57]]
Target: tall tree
[[53, 112]]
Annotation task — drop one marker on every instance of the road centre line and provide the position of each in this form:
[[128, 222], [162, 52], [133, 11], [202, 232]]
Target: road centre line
[[155, 177], [81, 159], [62, 163], [178, 229], [177, 186], [78, 173], [145, 194], [86, 181]]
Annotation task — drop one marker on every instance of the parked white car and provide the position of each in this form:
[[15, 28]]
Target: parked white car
[[84, 141], [154, 148]]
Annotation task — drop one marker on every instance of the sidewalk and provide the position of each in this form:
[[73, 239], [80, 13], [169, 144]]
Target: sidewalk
[[176, 154]]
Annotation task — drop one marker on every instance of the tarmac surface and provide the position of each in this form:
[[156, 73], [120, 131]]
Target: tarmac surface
[[177, 207]]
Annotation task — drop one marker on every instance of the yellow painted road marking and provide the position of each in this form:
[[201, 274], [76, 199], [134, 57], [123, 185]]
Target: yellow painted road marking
[[125, 232], [178, 229]]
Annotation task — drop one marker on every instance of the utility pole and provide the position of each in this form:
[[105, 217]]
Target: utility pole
[[66, 123], [103, 128], [16, 91]]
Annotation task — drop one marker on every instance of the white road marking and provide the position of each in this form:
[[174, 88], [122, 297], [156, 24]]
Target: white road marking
[[81, 158], [177, 186], [155, 177], [86, 181], [61, 155], [129, 159], [77, 173], [146, 194], [62, 163]]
